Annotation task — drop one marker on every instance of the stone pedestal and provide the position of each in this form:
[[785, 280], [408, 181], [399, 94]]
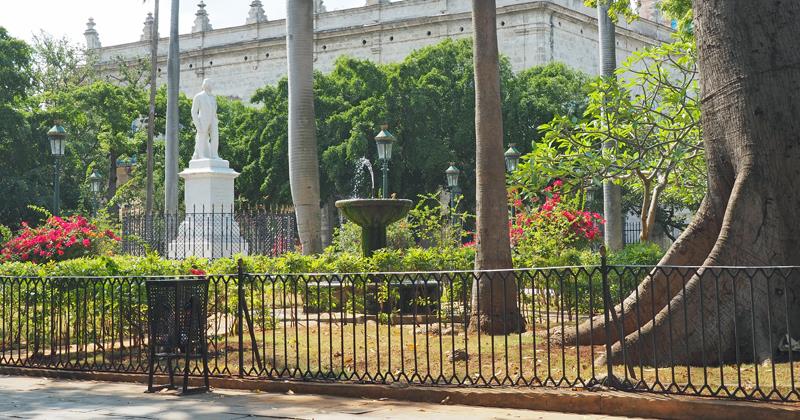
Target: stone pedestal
[[209, 229]]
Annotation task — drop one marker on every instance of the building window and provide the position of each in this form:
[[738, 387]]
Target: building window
[[429, 33]]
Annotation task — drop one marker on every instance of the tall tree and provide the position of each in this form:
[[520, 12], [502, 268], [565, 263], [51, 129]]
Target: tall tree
[[612, 193], [24, 170], [303, 158], [494, 308], [750, 105], [173, 88]]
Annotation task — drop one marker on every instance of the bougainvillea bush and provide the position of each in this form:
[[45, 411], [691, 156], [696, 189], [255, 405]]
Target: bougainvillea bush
[[550, 225], [58, 239]]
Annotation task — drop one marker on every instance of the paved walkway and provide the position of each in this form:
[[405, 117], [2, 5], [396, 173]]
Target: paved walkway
[[43, 398]]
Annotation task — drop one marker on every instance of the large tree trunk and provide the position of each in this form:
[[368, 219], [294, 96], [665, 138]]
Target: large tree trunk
[[612, 193], [494, 295], [750, 89], [303, 160]]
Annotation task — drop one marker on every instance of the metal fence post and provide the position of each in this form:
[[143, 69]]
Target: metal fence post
[[607, 306], [240, 315]]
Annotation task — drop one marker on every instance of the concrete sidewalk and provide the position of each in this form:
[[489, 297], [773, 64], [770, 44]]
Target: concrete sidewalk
[[44, 398]]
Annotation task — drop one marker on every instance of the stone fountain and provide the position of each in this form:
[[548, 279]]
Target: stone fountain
[[375, 214]]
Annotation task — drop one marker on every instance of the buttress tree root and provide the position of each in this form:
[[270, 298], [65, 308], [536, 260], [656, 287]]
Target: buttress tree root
[[750, 102]]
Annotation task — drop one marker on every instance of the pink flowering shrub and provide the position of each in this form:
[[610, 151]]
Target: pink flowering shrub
[[57, 240], [555, 225]]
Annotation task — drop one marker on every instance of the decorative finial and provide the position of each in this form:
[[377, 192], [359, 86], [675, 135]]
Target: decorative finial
[[256, 14], [92, 38], [147, 31], [201, 22], [319, 7]]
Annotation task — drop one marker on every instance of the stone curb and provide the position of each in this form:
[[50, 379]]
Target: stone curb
[[545, 399]]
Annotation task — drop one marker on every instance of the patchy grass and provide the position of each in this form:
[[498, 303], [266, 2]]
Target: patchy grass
[[419, 352], [373, 352]]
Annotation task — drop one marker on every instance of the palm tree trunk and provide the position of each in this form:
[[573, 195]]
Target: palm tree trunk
[[612, 194], [494, 306], [173, 86], [303, 160], [152, 113]]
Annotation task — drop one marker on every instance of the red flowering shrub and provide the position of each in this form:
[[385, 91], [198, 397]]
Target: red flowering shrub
[[57, 240], [553, 226]]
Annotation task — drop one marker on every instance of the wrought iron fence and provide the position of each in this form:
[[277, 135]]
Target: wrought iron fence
[[420, 328], [631, 232], [210, 233]]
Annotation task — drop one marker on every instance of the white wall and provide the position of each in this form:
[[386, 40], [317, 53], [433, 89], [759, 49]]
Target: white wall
[[241, 59]]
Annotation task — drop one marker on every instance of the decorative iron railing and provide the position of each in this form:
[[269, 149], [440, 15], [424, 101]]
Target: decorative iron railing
[[210, 233], [416, 328]]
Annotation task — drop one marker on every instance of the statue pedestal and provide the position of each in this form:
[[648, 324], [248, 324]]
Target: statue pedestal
[[209, 229]]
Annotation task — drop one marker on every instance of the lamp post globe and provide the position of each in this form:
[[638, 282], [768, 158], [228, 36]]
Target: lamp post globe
[[452, 174], [384, 140], [95, 184], [57, 136], [512, 156]]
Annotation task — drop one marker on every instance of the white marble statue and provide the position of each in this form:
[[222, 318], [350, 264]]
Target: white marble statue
[[204, 116]]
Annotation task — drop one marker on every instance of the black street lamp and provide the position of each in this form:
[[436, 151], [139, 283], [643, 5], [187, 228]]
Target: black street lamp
[[512, 161], [512, 158], [95, 184], [452, 174], [385, 139], [57, 136]]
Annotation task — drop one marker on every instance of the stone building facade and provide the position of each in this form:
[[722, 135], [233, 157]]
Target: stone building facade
[[243, 58]]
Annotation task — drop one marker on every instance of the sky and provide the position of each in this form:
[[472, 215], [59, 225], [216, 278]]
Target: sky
[[121, 21]]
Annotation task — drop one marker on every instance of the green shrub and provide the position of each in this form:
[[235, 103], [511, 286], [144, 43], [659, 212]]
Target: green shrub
[[646, 253], [5, 234]]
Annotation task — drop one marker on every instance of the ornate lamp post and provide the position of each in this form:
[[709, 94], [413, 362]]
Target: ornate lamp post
[[57, 136], [385, 139], [452, 174], [512, 161], [95, 184], [512, 158]]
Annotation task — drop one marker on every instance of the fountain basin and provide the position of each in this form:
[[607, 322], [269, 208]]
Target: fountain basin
[[373, 215]]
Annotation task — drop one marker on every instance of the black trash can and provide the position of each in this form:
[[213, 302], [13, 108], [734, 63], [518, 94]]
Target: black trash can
[[176, 318]]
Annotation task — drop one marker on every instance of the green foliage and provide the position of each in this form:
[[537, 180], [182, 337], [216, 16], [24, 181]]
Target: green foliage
[[645, 254], [616, 8], [414, 259], [681, 12], [649, 121], [358, 95], [24, 168], [5, 234]]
